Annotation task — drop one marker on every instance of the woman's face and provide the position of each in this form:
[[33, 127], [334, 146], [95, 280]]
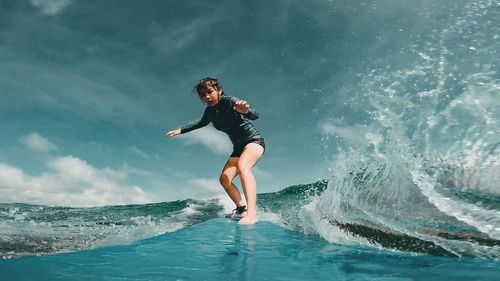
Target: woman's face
[[211, 96]]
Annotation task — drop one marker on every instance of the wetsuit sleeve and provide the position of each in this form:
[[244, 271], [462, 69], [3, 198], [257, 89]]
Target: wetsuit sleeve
[[252, 113], [205, 120]]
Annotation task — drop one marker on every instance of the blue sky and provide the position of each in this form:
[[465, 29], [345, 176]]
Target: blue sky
[[88, 89]]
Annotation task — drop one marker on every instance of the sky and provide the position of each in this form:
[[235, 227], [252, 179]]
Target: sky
[[89, 88]]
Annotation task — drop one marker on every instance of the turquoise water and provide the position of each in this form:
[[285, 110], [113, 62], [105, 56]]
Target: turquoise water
[[219, 249], [190, 240]]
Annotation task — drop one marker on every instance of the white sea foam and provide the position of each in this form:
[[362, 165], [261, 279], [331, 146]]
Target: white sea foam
[[488, 221], [314, 221], [272, 218]]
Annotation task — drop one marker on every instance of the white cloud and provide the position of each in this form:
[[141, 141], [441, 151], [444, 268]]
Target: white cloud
[[356, 135], [38, 143], [262, 174], [85, 91], [50, 7], [10, 177], [352, 134], [168, 41], [129, 170], [70, 181], [135, 150], [206, 188], [210, 185], [212, 139]]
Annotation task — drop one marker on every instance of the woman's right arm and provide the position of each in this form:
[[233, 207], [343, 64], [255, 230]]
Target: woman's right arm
[[205, 120]]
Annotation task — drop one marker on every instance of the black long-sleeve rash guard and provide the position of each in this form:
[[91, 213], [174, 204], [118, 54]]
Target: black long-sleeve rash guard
[[228, 120]]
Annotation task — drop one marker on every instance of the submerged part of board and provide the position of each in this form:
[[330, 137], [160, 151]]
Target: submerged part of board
[[234, 216]]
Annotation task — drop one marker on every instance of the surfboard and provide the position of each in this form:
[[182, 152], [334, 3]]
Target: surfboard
[[234, 217]]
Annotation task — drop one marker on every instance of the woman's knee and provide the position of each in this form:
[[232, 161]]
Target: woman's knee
[[225, 181], [243, 167]]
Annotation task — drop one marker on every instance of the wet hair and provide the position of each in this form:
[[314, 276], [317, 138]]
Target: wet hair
[[206, 82]]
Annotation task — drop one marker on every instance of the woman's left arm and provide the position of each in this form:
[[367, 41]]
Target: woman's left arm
[[243, 107]]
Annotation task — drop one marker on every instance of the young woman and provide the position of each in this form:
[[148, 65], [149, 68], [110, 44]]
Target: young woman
[[231, 115]]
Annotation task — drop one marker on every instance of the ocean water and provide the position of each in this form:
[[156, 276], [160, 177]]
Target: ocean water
[[219, 249], [412, 193], [295, 239]]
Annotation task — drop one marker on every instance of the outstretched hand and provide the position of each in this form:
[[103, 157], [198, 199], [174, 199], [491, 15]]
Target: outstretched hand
[[173, 133], [242, 106]]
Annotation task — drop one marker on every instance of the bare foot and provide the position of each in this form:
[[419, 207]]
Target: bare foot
[[248, 218]]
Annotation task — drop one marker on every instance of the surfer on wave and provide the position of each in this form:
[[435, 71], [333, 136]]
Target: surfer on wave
[[232, 115]]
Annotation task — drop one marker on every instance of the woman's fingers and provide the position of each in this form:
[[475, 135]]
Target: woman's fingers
[[241, 106], [173, 133]]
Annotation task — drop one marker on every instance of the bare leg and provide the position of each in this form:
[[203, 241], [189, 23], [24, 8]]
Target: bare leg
[[251, 154], [229, 172]]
